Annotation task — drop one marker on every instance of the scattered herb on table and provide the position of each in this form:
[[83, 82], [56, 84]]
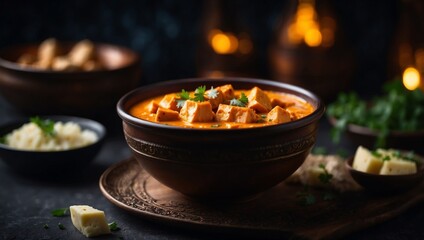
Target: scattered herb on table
[[46, 226], [305, 197], [319, 151], [60, 212], [328, 196], [397, 109], [113, 226], [325, 177], [46, 125], [61, 227]]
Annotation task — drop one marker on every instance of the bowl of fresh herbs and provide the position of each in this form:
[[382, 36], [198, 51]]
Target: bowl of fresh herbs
[[394, 119]]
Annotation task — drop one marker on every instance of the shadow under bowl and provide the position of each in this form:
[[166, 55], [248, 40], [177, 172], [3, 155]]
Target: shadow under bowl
[[80, 93], [219, 163], [386, 184], [50, 164]]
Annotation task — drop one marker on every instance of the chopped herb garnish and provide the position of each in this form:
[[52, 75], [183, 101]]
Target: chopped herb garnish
[[46, 125], [3, 139], [61, 227], [215, 125], [376, 154], [213, 93], [199, 94], [184, 96], [386, 158], [46, 226], [113, 226], [326, 176], [240, 102], [263, 116], [60, 212], [319, 151], [328, 196], [306, 198]]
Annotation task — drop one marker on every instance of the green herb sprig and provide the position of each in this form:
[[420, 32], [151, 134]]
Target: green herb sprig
[[199, 96], [325, 177], [241, 101], [46, 125], [113, 226], [397, 109], [60, 212]]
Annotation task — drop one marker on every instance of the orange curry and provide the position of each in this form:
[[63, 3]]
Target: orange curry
[[223, 107]]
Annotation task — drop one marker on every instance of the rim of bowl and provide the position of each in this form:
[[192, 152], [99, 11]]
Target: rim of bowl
[[101, 133], [135, 60], [314, 116], [362, 130]]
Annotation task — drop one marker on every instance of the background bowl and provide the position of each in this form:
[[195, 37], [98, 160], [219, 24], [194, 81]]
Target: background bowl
[[81, 93], [52, 163], [408, 141], [386, 184], [219, 163]]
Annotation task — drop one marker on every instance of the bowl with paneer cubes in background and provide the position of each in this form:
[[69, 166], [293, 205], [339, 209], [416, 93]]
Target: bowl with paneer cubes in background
[[220, 138], [386, 170], [81, 78], [50, 147]]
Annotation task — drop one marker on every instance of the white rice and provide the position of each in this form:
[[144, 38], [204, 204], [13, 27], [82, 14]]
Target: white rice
[[67, 136]]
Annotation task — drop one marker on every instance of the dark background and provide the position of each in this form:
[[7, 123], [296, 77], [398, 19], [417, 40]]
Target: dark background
[[166, 32]]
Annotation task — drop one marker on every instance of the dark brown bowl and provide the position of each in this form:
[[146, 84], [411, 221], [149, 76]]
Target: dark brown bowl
[[219, 163], [386, 184], [359, 135], [83, 93]]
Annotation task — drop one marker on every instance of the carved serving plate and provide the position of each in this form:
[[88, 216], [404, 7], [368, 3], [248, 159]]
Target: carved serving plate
[[276, 212]]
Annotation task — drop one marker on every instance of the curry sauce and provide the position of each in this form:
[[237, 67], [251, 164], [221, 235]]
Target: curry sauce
[[223, 108]]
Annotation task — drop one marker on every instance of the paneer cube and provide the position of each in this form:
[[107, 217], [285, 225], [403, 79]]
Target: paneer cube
[[278, 102], [152, 107], [169, 101], [278, 115], [227, 91], [197, 111], [398, 167], [164, 115], [259, 101], [228, 113], [217, 100], [88, 220], [364, 161]]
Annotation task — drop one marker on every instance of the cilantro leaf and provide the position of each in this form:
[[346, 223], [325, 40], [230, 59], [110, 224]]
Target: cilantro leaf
[[46, 125], [199, 94], [60, 212], [113, 226], [326, 176], [240, 102], [61, 226], [213, 93], [184, 95]]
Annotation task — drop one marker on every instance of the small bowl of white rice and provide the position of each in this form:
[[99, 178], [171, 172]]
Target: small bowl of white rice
[[52, 145]]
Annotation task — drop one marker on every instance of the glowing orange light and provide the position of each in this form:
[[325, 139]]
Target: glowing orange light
[[223, 43], [313, 37], [305, 27], [411, 78]]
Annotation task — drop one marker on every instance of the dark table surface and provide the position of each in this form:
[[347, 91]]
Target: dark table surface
[[25, 203]]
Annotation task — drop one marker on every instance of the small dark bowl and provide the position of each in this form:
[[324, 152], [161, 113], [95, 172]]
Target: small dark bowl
[[386, 184], [219, 163], [80, 93], [52, 163], [367, 137]]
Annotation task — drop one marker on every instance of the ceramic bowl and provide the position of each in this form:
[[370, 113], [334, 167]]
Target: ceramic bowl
[[80, 93], [386, 184], [367, 137], [219, 163], [52, 163]]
